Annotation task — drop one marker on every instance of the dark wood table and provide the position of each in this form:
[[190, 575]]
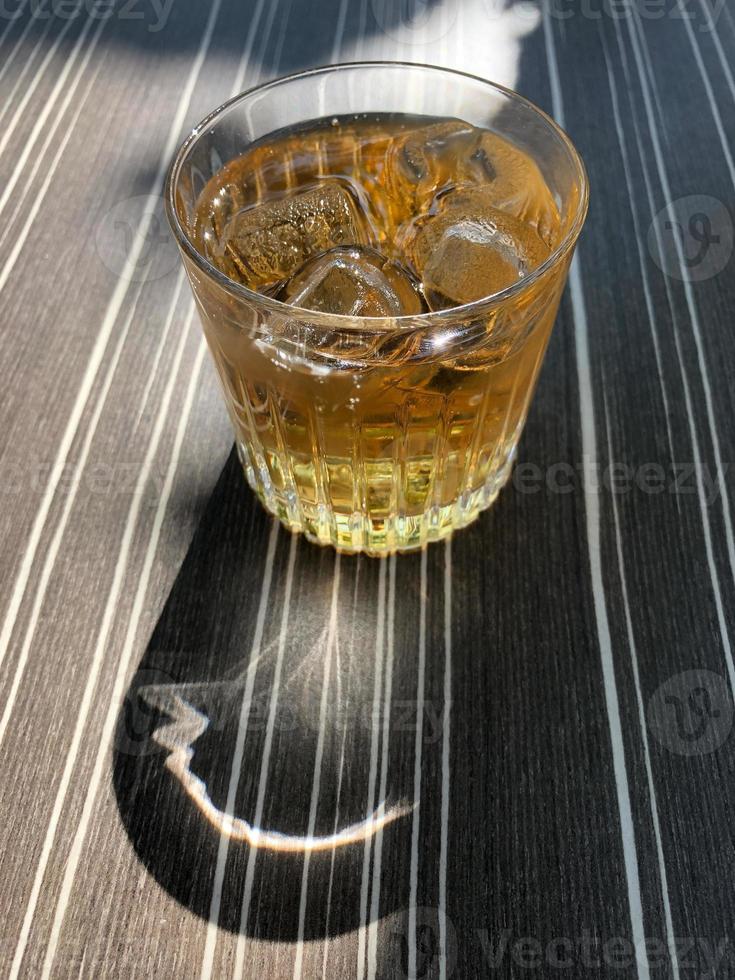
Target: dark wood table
[[540, 713]]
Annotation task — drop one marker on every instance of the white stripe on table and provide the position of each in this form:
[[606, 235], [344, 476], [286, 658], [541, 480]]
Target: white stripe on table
[[592, 513], [670, 934], [714, 109], [85, 703], [346, 724], [332, 641], [11, 20], [118, 689], [694, 321], [237, 757], [267, 747], [112, 313], [417, 766], [648, 298], [48, 103], [721, 56], [641, 54], [446, 767], [372, 945], [50, 170], [163, 341], [244, 68], [373, 767], [9, 99], [52, 552], [339, 33]]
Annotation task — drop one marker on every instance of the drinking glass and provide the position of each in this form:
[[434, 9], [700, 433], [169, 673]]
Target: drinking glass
[[376, 434]]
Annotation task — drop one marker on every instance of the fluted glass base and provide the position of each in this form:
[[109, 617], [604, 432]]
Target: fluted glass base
[[354, 533]]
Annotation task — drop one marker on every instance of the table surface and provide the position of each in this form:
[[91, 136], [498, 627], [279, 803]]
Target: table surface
[[540, 713]]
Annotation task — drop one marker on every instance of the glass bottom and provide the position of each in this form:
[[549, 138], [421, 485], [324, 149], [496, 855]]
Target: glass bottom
[[359, 533]]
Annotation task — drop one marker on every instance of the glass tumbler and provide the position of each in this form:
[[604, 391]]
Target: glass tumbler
[[376, 435]]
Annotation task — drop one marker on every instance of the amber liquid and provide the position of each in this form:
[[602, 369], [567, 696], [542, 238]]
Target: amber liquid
[[379, 437]]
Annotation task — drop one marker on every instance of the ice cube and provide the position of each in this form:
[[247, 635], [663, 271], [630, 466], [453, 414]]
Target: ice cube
[[354, 282], [422, 162], [514, 181], [469, 249], [267, 243]]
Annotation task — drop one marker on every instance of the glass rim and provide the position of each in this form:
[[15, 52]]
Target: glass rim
[[339, 321]]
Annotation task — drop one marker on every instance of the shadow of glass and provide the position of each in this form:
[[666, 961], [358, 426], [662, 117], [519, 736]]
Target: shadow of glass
[[333, 732], [254, 734]]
